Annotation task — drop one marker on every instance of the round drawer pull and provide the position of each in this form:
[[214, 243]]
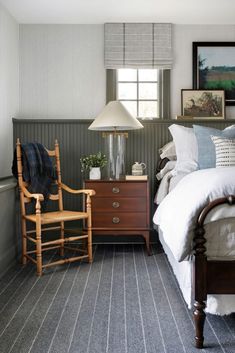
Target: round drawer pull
[[115, 190], [115, 204], [116, 220]]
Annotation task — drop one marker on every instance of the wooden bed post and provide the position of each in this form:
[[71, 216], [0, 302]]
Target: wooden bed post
[[210, 277], [200, 283]]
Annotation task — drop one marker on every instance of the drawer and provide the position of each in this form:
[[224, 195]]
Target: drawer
[[119, 204], [119, 220], [107, 189]]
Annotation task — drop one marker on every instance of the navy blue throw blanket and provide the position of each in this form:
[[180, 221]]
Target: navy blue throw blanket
[[38, 170]]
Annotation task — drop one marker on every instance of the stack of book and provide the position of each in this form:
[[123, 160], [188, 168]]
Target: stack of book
[[136, 177]]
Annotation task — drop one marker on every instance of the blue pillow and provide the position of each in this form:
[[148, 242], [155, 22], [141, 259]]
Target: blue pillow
[[206, 148]]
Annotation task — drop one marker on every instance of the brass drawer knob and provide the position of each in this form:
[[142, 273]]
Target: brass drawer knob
[[116, 220], [115, 204], [115, 190]]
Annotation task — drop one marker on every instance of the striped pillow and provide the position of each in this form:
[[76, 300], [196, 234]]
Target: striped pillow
[[225, 151]]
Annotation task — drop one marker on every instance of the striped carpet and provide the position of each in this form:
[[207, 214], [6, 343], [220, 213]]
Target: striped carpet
[[125, 302]]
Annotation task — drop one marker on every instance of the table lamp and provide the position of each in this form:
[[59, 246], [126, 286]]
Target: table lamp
[[115, 120]]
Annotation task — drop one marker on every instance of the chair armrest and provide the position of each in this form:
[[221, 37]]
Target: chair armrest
[[38, 197], [81, 191]]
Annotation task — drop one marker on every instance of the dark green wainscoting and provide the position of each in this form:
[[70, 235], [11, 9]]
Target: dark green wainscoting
[[9, 241], [76, 140]]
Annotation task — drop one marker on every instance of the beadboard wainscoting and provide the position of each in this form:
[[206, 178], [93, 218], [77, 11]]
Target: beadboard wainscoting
[[76, 140], [9, 239]]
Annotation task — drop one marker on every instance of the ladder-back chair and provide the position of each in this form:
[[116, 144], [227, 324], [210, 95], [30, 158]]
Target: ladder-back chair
[[43, 220]]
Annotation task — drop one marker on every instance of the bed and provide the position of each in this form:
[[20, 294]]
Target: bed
[[195, 218]]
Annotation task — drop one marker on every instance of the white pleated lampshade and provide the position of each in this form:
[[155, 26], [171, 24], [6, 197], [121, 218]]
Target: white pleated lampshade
[[115, 116]]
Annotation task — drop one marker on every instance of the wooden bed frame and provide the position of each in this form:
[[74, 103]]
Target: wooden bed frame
[[210, 276]]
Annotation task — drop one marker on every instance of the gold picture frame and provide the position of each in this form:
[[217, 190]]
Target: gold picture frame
[[203, 104]]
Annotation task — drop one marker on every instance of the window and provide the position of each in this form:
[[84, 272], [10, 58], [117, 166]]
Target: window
[[144, 92], [138, 90]]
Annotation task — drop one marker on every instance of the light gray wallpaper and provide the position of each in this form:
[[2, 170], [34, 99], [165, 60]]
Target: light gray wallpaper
[[62, 72], [181, 75], [9, 86]]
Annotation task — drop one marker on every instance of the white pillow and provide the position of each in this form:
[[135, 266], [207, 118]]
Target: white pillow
[[168, 167], [168, 151], [230, 127], [186, 148], [225, 151]]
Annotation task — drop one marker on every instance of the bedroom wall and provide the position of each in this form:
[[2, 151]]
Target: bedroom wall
[[9, 240], [62, 73], [181, 76], [9, 86], [76, 140]]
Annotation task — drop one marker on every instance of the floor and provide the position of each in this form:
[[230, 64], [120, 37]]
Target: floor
[[124, 302]]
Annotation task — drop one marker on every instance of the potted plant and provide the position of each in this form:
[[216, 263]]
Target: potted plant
[[93, 163]]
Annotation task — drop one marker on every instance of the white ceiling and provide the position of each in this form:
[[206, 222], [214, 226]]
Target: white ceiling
[[101, 11]]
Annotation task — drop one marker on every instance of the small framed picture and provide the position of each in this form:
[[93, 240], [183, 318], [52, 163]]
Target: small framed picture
[[203, 104]]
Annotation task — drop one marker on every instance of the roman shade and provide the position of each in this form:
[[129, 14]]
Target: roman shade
[[138, 45]]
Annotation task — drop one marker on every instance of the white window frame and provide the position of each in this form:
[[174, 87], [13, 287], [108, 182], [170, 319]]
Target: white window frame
[[164, 82], [137, 100]]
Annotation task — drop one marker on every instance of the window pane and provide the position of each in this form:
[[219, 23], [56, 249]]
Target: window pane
[[147, 91], [131, 107], [127, 91], [148, 109], [148, 75], [127, 75]]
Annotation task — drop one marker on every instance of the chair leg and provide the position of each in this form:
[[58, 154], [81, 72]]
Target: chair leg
[[89, 229], [89, 245], [24, 241], [62, 237], [38, 246]]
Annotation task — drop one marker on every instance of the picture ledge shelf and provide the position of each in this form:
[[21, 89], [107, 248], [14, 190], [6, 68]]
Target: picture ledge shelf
[[88, 121]]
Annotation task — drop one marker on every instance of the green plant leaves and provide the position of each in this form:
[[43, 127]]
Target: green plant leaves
[[93, 160]]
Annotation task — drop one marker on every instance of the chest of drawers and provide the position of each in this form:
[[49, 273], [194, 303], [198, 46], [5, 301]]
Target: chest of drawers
[[120, 207]]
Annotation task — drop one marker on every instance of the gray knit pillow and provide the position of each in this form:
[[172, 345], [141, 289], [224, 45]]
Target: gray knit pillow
[[225, 151]]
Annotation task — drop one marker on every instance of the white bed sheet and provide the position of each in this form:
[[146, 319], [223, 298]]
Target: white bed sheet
[[177, 213], [216, 304], [168, 183]]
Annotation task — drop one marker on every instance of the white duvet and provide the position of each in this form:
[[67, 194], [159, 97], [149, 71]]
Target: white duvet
[[177, 213]]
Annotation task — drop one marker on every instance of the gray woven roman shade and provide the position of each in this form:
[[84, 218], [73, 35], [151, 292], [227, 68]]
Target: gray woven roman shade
[[138, 45]]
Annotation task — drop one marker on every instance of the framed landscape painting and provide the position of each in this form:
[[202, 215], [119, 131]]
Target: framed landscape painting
[[203, 104], [214, 68]]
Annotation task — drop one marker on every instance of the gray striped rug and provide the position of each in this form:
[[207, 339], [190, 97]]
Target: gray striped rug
[[125, 302]]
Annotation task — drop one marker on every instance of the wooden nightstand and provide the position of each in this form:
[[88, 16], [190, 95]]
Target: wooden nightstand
[[120, 208]]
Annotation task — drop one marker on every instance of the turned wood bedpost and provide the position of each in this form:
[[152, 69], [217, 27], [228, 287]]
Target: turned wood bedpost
[[200, 269]]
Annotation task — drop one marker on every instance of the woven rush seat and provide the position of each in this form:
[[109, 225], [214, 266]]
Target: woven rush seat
[[57, 216]]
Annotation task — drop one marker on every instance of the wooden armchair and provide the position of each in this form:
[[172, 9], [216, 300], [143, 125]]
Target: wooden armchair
[[41, 220]]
